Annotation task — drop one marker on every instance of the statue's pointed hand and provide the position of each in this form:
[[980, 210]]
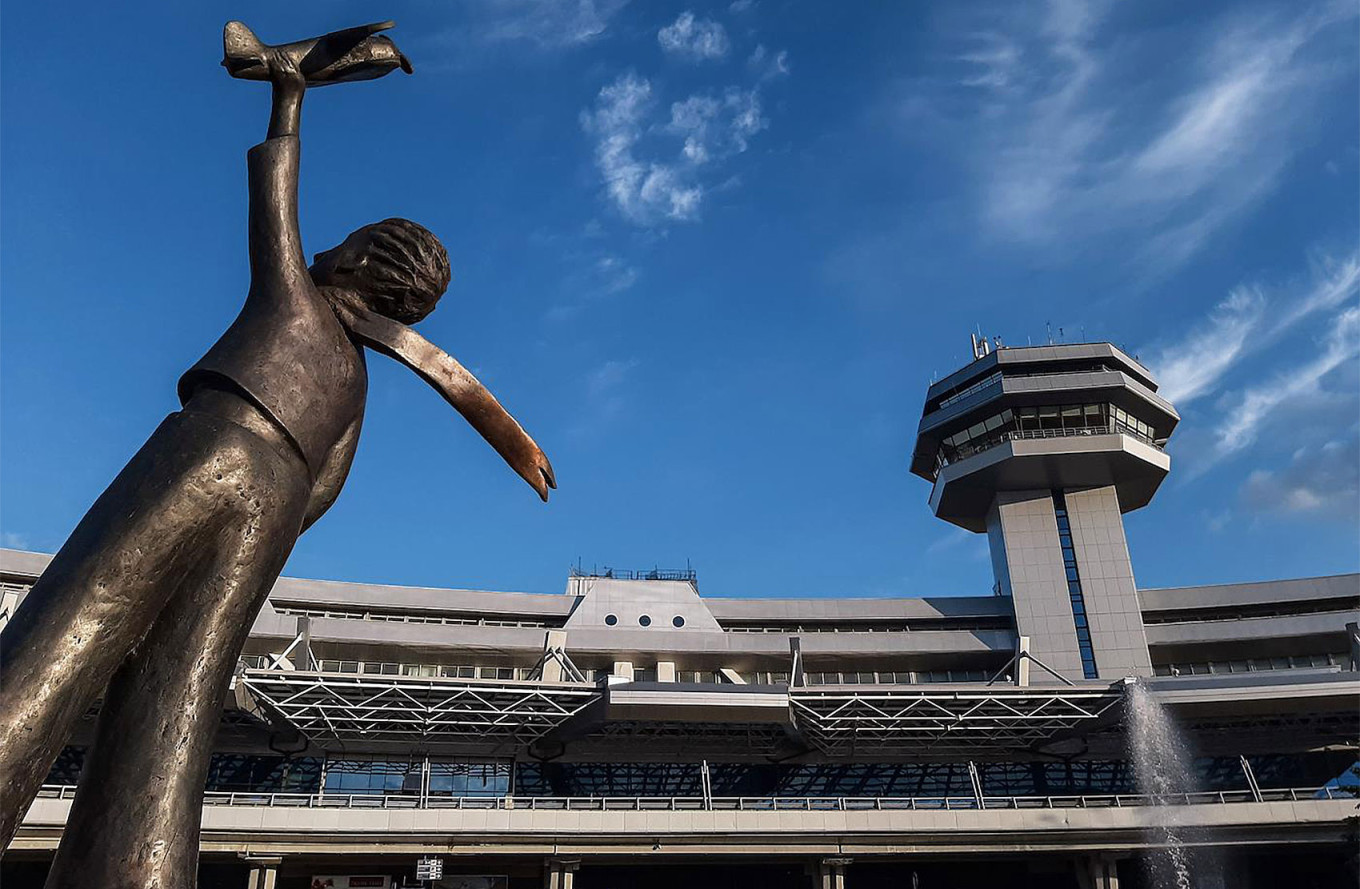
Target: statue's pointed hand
[[538, 472]]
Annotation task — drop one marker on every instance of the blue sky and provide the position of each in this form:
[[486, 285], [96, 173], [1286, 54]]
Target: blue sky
[[711, 255]]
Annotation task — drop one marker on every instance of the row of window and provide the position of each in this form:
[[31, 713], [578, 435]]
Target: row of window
[[381, 668], [1253, 665], [1039, 421], [1127, 422], [402, 617], [416, 776], [640, 674], [989, 380], [1249, 611], [996, 377], [927, 624], [900, 677]]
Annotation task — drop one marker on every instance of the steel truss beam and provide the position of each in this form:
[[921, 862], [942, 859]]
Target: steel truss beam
[[377, 707], [846, 721]]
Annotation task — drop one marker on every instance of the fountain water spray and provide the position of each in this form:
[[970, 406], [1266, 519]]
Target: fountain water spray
[[1161, 764]]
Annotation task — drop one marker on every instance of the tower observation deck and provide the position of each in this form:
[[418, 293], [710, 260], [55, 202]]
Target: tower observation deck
[[1043, 449]]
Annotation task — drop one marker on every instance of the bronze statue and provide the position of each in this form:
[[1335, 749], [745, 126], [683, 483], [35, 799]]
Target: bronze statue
[[150, 600]]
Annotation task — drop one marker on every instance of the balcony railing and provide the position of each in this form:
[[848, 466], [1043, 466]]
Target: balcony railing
[[973, 449], [746, 803]]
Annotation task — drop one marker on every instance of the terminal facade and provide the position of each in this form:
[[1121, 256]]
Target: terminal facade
[[632, 731]]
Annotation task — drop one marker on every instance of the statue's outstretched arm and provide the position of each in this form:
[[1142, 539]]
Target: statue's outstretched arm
[[459, 388]]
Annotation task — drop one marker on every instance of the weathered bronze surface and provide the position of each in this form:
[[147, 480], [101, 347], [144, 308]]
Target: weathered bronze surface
[[148, 603]]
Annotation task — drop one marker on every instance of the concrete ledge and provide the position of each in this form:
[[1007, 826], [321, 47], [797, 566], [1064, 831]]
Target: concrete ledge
[[264, 829]]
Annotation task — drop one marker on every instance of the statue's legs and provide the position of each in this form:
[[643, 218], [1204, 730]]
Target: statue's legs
[[135, 819], [103, 589], [101, 593]]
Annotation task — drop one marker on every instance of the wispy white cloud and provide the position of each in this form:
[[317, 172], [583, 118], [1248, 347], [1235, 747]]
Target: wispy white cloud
[[994, 63], [1066, 156], [1249, 319], [606, 378], [1247, 413], [694, 38], [715, 128], [605, 387], [548, 24], [1319, 480], [768, 64], [666, 179], [614, 275], [949, 540], [1193, 366], [644, 191]]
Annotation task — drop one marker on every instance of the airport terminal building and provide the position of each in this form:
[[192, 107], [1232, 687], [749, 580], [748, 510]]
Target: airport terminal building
[[635, 731]]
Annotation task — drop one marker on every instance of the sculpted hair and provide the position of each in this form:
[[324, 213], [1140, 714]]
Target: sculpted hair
[[407, 270]]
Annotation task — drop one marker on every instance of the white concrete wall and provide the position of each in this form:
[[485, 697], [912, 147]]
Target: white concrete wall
[[1108, 590], [1027, 528]]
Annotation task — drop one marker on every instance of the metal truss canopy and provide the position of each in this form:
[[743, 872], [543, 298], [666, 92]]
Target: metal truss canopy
[[405, 708], [837, 722], [843, 722]]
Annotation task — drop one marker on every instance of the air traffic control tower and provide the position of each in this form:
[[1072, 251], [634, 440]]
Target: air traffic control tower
[[1044, 448]]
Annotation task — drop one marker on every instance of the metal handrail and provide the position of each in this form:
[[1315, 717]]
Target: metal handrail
[[972, 450], [743, 803]]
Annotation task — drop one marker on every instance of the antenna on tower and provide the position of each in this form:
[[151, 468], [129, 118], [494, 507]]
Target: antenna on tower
[[981, 347]]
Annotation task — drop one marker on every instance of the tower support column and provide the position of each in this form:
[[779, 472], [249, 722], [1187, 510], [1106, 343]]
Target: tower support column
[[831, 873], [264, 873], [560, 873], [1027, 559], [1098, 872]]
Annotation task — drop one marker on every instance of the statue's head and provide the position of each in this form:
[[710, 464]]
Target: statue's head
[[397, 268]]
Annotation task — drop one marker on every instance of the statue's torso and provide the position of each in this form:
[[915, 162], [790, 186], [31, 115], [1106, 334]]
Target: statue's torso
[[293, 359]]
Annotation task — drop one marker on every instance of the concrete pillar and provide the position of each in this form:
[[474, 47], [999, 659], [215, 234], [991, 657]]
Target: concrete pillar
[[796, 677], [1098, 872], [560, 873], [665, 671], [9, 600], [264, 873], [1027, 560], [1022, 661], [831, 873], [553, 641], [622, 672], [304, 652], [1112, 607]]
